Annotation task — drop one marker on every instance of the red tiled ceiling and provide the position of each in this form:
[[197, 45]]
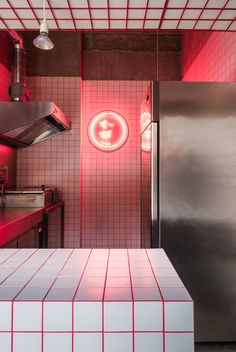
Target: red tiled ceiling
[[123, 15]]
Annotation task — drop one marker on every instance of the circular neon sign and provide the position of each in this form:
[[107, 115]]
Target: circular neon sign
[[108, 131]]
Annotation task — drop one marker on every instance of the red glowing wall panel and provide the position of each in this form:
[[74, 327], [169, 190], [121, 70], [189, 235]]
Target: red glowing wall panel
[[55, 162], [110, 189], [5, 79], [7, 154], [211, 58]]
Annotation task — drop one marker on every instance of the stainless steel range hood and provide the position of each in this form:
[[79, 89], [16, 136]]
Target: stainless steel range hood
[[23, 124]]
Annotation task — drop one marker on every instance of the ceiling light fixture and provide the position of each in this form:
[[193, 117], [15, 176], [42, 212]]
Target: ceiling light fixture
[[43, 41]]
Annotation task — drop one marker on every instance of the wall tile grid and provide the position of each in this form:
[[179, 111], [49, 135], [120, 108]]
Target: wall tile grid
[[110, 198], [211, 59], [56, 162]]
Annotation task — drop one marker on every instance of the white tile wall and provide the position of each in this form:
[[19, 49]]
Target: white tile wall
[[27, 342], [57, 342], [57, 316], [88, 316], [5, 314], [152, 342], [5, 342], [148, 316], [179, 316], [179, 342], [27, 316], [118, 316], [88, 342], [118, 342]]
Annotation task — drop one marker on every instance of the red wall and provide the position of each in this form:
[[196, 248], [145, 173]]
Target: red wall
[[110, 198], [7, 154], [209, 57], [5, 79]]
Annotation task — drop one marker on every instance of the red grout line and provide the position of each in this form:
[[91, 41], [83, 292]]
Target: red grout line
[[90, 14], [163, 302], [145, 15], [97, 332], [34, 274], [108, 10], [182, 14], [132, 293], [134, 30], [42, 325], [227, 29], [18, 267], [48, 293], [10, 256], [45, 296], [12, 302], [77, 288], [100, 300], [221, 10], [73, 300], [103, 304], [33, 10], [12, 319], [13, 9], [163, 14], [117, 19], [82, 152], [201, 12], [71, 13], [118, 8], [127, 14], [53, 14]]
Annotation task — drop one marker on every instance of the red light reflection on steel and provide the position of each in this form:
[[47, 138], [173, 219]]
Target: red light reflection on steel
[[145, 126], [108, 131]]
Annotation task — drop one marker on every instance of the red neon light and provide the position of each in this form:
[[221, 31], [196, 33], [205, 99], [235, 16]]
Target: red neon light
[[108, 131]]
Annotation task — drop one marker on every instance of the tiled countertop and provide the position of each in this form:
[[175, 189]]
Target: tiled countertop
[[87, 300], [15, 221]]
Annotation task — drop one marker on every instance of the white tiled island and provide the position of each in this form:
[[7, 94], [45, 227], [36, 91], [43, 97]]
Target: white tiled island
[[97, 300]]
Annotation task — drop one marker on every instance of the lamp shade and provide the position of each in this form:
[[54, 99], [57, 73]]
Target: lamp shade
[[43, 42]]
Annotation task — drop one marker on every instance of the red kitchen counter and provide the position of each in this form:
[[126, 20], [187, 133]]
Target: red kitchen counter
[[16, 221]]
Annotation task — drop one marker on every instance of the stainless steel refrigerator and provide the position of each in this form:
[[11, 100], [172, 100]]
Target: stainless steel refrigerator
[[188, 197]]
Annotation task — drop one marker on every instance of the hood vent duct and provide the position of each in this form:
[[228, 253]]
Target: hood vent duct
[[23, 123], [18, 90]]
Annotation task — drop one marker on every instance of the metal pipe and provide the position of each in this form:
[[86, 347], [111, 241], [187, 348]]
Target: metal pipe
[[18, 90]]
